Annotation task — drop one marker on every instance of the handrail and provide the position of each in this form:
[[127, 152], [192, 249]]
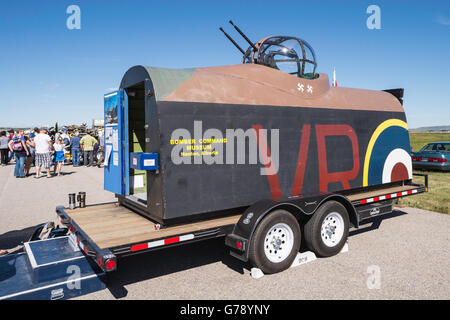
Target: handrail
[[425, 178]]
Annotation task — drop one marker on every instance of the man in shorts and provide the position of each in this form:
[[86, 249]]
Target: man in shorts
[[43, 147]]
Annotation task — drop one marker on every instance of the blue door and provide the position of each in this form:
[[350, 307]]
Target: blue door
[[116, 142]]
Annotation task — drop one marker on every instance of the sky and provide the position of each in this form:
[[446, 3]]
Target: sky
[[50, 73]]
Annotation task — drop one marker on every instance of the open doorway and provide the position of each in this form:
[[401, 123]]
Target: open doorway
[[136, 140]]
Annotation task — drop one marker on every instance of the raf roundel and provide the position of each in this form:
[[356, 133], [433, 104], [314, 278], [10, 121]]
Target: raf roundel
[[397, 166], [387, 156]]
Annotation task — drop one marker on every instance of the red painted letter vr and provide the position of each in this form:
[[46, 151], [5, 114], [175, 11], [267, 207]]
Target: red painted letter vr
[[325, 177], [343, 177]]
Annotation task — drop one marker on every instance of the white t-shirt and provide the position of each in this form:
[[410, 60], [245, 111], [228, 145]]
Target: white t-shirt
[[58, 147], [41, 140]]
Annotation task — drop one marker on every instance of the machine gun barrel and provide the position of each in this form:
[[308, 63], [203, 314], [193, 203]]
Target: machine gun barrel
[[244, 36], [232, 41]]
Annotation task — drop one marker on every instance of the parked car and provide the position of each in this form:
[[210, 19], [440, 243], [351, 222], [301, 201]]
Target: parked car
[[434, 156]]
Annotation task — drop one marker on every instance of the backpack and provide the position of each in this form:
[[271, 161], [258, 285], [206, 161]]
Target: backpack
[[17, 145]]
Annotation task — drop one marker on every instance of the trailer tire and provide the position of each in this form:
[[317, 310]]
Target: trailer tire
[[279, 230], [327, 230]]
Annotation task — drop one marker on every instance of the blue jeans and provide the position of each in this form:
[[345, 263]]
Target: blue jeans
[[76, 157], [20, 164]]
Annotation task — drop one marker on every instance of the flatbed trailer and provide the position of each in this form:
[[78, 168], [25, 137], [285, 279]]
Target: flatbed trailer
[[106, 232], [99, 235]]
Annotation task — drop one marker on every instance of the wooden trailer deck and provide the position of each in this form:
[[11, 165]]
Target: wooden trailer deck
[[376, 193], [110, 226]]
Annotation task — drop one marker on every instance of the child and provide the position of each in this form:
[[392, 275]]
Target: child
[[59, 155]]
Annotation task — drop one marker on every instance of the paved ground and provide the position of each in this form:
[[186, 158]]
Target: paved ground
[[404, 256]]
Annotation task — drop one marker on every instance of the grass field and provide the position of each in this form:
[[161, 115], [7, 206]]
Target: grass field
[[438, 197], [420, 139]]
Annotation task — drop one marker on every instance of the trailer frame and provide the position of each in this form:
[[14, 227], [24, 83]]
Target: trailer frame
[[373, 202]]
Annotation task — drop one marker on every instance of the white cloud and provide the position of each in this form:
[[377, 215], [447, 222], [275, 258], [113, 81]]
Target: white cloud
[[443, 20]]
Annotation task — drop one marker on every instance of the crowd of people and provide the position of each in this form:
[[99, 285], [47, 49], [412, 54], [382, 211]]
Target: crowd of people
[[42, 150]]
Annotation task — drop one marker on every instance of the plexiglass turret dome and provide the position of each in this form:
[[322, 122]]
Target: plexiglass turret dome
[[288, 54]]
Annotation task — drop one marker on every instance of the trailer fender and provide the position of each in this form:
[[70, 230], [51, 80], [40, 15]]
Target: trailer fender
[[299, 206]]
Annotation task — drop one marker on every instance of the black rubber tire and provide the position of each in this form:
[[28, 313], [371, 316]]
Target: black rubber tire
[[312, 229], [256, 251]]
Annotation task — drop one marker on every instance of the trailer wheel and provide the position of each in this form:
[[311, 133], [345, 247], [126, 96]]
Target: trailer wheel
[[276, 242], [327, 230]]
